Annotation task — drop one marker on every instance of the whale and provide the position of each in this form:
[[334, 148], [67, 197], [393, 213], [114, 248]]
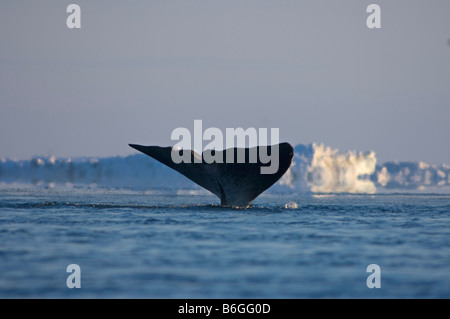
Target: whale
[[234, 182]]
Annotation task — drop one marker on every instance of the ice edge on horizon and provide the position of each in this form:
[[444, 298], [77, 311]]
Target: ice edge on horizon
[[315, 168]]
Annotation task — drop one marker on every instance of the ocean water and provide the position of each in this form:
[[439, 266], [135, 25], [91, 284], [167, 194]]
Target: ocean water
[[131, 244]]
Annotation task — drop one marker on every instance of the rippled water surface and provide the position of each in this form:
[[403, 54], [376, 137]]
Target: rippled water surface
[[146, 245]]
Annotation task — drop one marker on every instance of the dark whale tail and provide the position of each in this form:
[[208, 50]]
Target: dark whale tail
[[236, 183]]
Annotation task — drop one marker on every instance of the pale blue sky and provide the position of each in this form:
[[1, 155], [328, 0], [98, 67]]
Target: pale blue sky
[[136, 70]]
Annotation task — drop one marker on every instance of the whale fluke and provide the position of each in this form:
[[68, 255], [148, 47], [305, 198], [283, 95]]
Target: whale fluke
[[236, 184]]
